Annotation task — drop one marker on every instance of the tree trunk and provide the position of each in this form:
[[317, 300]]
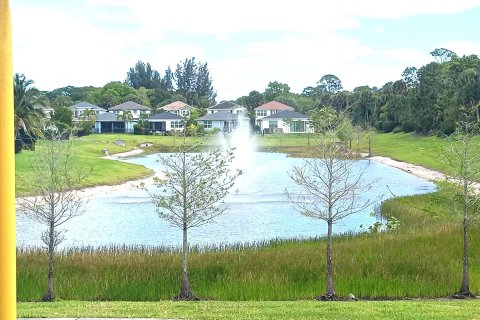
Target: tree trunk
[[50, 295], [330, 294], [465, 287], [185, 292]]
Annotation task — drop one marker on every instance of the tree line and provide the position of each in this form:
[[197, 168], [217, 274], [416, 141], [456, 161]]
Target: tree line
[[427, 100]]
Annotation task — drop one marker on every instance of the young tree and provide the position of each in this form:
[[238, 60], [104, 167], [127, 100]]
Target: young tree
[[462, 157], [330, 187], [55, 202], [192, 194]]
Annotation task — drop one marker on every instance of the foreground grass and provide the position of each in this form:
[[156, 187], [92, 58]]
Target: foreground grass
[[370, 310], [423, 258]]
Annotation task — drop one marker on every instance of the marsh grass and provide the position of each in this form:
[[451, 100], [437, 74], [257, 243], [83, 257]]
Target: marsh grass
[[423, 258]]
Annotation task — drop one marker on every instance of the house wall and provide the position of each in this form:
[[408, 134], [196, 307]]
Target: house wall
[[265, 124], [168, 125], [135, 113]]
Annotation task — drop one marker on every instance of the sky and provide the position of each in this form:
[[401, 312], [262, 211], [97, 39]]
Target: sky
[[247, 43]]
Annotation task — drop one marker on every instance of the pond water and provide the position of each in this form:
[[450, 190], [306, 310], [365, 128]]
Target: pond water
[[260, 210]]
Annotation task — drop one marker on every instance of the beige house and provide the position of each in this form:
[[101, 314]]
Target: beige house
[[179, 108]]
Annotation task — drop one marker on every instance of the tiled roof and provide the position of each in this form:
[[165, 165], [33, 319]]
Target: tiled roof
[[286, 115], [165, 116], [129, 105], [86, 105], [275, 105], [219, 116], [107, 117], [177, 105], [225, 105]]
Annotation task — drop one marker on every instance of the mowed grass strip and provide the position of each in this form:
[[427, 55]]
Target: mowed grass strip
[[359, 310]]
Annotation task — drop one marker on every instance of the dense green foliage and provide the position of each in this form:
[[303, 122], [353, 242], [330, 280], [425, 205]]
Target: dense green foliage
[[427, 100], [360, 310]]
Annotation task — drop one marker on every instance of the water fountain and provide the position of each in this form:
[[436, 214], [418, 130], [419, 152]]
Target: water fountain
[[259, 210]]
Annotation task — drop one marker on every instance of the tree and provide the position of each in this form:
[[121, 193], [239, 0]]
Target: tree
[[330, 83], [126, 115], [410, 77], [442, 55], [142, 75], [462, 158], [194, 81], [62, 118], [26, 117], [192, 194], [275, 89], [330, 188], [56, 174]]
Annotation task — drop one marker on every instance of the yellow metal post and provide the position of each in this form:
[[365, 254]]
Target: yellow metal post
[[7, 171]]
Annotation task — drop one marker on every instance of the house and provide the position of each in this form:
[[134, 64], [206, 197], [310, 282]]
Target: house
[[46, 111], [286, 122], [269, 108], [112, 123], [224, 120], [166, 122], [133, 108], [226, 106], [79, 109], [178, 107]]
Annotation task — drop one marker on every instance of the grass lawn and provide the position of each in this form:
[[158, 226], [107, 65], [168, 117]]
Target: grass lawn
[[420, 150], [368, 310]]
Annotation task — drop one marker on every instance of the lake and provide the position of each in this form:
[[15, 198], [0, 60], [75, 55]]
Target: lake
[[260, 210]]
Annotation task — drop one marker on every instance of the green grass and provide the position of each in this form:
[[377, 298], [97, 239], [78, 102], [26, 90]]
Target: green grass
[[421, 259], [405, 147], [368, 310]]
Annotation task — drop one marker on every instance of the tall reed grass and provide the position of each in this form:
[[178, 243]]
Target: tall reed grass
[[422, 258]]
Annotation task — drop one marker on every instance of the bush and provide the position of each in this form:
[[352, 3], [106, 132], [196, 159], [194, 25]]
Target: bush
[[386, 126], [397, 129], [137, 129]]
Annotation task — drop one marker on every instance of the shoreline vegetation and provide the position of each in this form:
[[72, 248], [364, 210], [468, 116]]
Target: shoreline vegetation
[[405, 262]]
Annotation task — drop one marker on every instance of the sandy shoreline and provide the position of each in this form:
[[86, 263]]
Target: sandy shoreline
[[92, 192], [98, 191], [416, 170]]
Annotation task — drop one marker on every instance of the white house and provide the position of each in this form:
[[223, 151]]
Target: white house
[[227, 106], [134, 108], [178, 107], [109, 122], [166, 122], [46, 111], [286, 122], [79, 108], [224, 120], [269, 108]]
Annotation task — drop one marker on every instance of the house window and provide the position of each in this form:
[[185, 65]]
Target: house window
[[273, 124], [177, 124], [261, 113], [207, 124], [273, 111], [297, 126]]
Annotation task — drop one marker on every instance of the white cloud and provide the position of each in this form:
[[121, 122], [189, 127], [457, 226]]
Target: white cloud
[[60, 46], [462, 48]]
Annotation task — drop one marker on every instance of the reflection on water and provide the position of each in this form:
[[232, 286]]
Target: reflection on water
[[260, 210]]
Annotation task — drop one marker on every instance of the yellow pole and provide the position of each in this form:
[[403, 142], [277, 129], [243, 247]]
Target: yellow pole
[[7, 171]]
